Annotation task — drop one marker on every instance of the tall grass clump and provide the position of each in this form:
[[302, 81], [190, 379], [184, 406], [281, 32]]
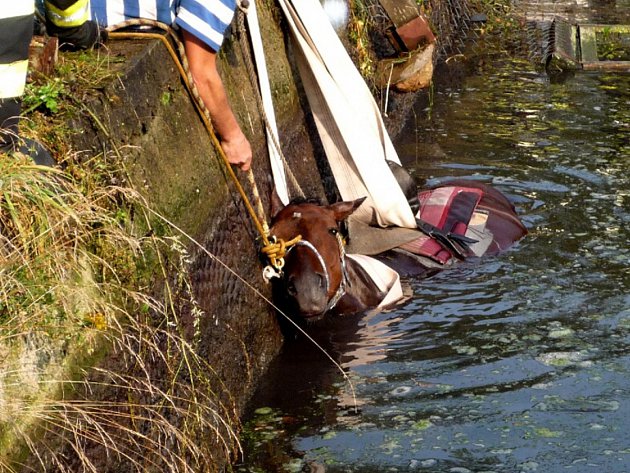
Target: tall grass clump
[[358, 34], [95, 367]]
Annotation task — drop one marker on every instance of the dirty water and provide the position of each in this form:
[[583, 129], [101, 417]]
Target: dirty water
[[513, 363]]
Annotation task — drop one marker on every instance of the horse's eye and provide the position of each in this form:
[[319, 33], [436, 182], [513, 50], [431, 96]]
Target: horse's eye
[[333, 231]]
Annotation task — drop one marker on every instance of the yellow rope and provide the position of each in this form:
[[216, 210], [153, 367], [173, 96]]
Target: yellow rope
[[275, 251]]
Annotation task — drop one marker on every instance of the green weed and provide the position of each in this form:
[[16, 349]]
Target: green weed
[[45, 97]]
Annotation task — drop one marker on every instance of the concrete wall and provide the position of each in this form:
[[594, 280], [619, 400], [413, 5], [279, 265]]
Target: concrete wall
[[144, 118], [170, 159]]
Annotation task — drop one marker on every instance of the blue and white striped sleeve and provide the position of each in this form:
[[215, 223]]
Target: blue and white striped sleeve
[[206, 19]]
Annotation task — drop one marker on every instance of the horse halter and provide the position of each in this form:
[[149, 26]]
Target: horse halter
[[341, 290]]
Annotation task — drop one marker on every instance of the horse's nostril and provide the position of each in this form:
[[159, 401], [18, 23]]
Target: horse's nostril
[[291, 287], [322, 280]]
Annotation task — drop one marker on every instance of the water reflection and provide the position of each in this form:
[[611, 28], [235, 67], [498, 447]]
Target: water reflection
[[515, 363]]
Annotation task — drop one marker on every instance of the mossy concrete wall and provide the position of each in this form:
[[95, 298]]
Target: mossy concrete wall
[[147, 119]]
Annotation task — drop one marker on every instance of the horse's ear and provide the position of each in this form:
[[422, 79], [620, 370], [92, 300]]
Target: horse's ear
[[343, 209], [276, 203]]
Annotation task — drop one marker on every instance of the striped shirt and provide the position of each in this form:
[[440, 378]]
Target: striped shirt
[[206, 19]]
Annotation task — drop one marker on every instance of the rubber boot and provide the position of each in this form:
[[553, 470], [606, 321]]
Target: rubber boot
[[28, 147], [69, 21], [86, 36]]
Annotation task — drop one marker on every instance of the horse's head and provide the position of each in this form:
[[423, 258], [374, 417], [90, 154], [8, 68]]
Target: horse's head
[[313, 277]]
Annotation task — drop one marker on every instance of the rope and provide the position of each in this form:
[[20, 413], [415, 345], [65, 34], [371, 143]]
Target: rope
[[275, 250]]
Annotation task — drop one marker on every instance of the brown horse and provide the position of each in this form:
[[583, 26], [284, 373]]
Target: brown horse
[[318, 278]]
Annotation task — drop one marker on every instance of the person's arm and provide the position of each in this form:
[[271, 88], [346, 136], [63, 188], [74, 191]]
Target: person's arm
[[203, 67]]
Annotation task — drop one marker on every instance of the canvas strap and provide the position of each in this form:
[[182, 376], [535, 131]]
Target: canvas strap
[[277, 165], [347, 118], [385, 278]]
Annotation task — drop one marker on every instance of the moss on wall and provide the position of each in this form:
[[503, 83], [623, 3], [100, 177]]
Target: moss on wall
[[141, 116]]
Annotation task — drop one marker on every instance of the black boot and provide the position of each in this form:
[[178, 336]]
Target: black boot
[[28, 147], [86, 36]]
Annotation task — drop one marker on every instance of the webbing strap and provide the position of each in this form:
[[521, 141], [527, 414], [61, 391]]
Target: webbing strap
[[277, 166], [385, 278], [349, 123]]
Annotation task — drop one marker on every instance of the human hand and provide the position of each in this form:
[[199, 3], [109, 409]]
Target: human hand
[[202, 62], [238, 151]]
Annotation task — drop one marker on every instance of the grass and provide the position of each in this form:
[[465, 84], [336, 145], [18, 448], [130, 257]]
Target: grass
[[95, 366], [358, 27]]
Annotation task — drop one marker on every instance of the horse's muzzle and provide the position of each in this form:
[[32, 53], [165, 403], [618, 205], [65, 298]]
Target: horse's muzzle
[[308, 294]]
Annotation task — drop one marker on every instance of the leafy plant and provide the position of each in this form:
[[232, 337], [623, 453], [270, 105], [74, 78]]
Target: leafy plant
[[46, 96], [358, 35]]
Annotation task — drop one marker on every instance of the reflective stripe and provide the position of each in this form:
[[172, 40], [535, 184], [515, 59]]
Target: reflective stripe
[[11, 9], [12, 79], [74, 15]]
